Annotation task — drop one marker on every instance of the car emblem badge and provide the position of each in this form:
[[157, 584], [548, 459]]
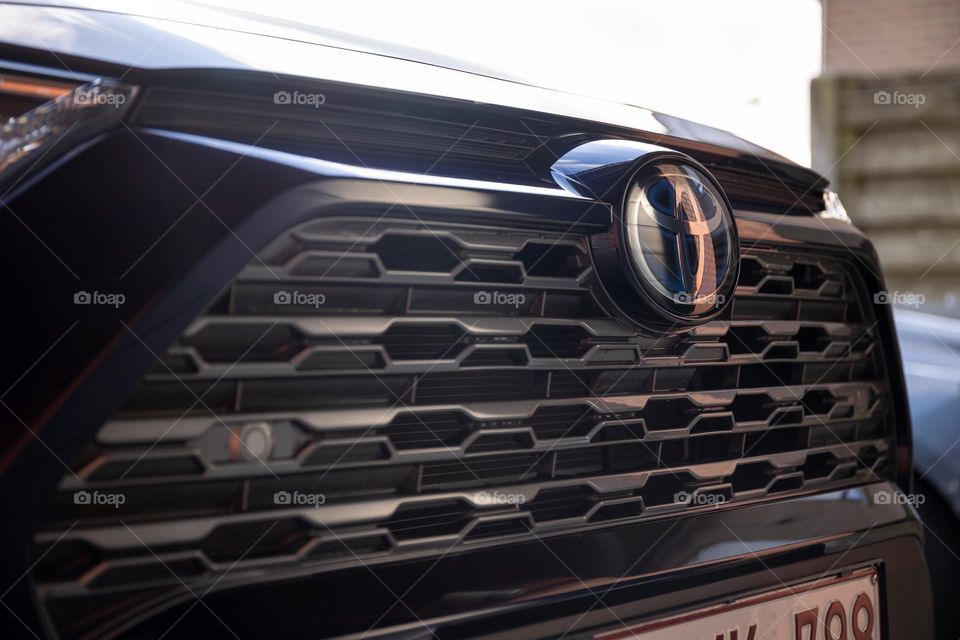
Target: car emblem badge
[[680, 240]]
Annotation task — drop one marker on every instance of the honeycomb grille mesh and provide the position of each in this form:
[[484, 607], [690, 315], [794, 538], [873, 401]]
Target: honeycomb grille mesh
[[440, 385]]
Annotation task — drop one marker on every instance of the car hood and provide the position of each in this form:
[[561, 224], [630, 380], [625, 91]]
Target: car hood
[[171, 35]]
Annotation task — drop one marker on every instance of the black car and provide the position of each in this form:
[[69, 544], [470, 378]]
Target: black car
[[309, 339]]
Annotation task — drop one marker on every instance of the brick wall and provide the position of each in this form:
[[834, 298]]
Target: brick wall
[[886, 132], [890, 36]]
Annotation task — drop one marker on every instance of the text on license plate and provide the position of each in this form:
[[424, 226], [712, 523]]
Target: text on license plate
[[844, 608]]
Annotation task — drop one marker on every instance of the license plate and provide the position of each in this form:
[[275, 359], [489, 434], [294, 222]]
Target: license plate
[[828, 609]]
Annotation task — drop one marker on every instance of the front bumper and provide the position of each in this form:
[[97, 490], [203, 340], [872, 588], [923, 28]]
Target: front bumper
[[575, 586]]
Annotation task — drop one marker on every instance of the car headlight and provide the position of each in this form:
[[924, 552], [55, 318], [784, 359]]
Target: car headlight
[[833, 208], [76, 112]]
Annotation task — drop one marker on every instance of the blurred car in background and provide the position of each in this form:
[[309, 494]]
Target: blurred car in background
[[930, 347]]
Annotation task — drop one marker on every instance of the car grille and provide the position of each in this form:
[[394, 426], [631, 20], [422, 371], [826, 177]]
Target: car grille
[[423, 386]]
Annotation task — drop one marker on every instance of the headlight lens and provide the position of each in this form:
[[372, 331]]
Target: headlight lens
[[833, 208], [74, 114]]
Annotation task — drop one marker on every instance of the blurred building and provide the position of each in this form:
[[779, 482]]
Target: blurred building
[[886, 132]]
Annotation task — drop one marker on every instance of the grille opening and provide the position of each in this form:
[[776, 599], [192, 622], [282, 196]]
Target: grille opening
[[567, 421], [615, 383], [777, 285], [417, 253], [501, 442], [336, 485], [422, 342], [556, 260], [437, 388], [748, 340], [255, 540], [776, 374], [556, 342], [819, 402], [807, 276], [348, 548], [669, 414], [496, 358], [335, 265], [560, 504], [820, 465], [498, 528], [331, 454], [579, 462], [700, 449], [753, 476], [752, 407], [618, 429], [765, 309], [471, 472], [501, 273], [257, 298], [135, 468], [814, 310], [812, 339], [345, 359], [633, 456], [441, 518], [777, 441], [661, 489], [751, 272], [696, 378], [428, 430]]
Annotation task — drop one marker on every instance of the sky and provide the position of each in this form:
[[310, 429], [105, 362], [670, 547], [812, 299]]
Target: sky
[[740, 65]]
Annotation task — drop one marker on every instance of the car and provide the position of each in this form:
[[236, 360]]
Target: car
[[929, 342], [311, 337]]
